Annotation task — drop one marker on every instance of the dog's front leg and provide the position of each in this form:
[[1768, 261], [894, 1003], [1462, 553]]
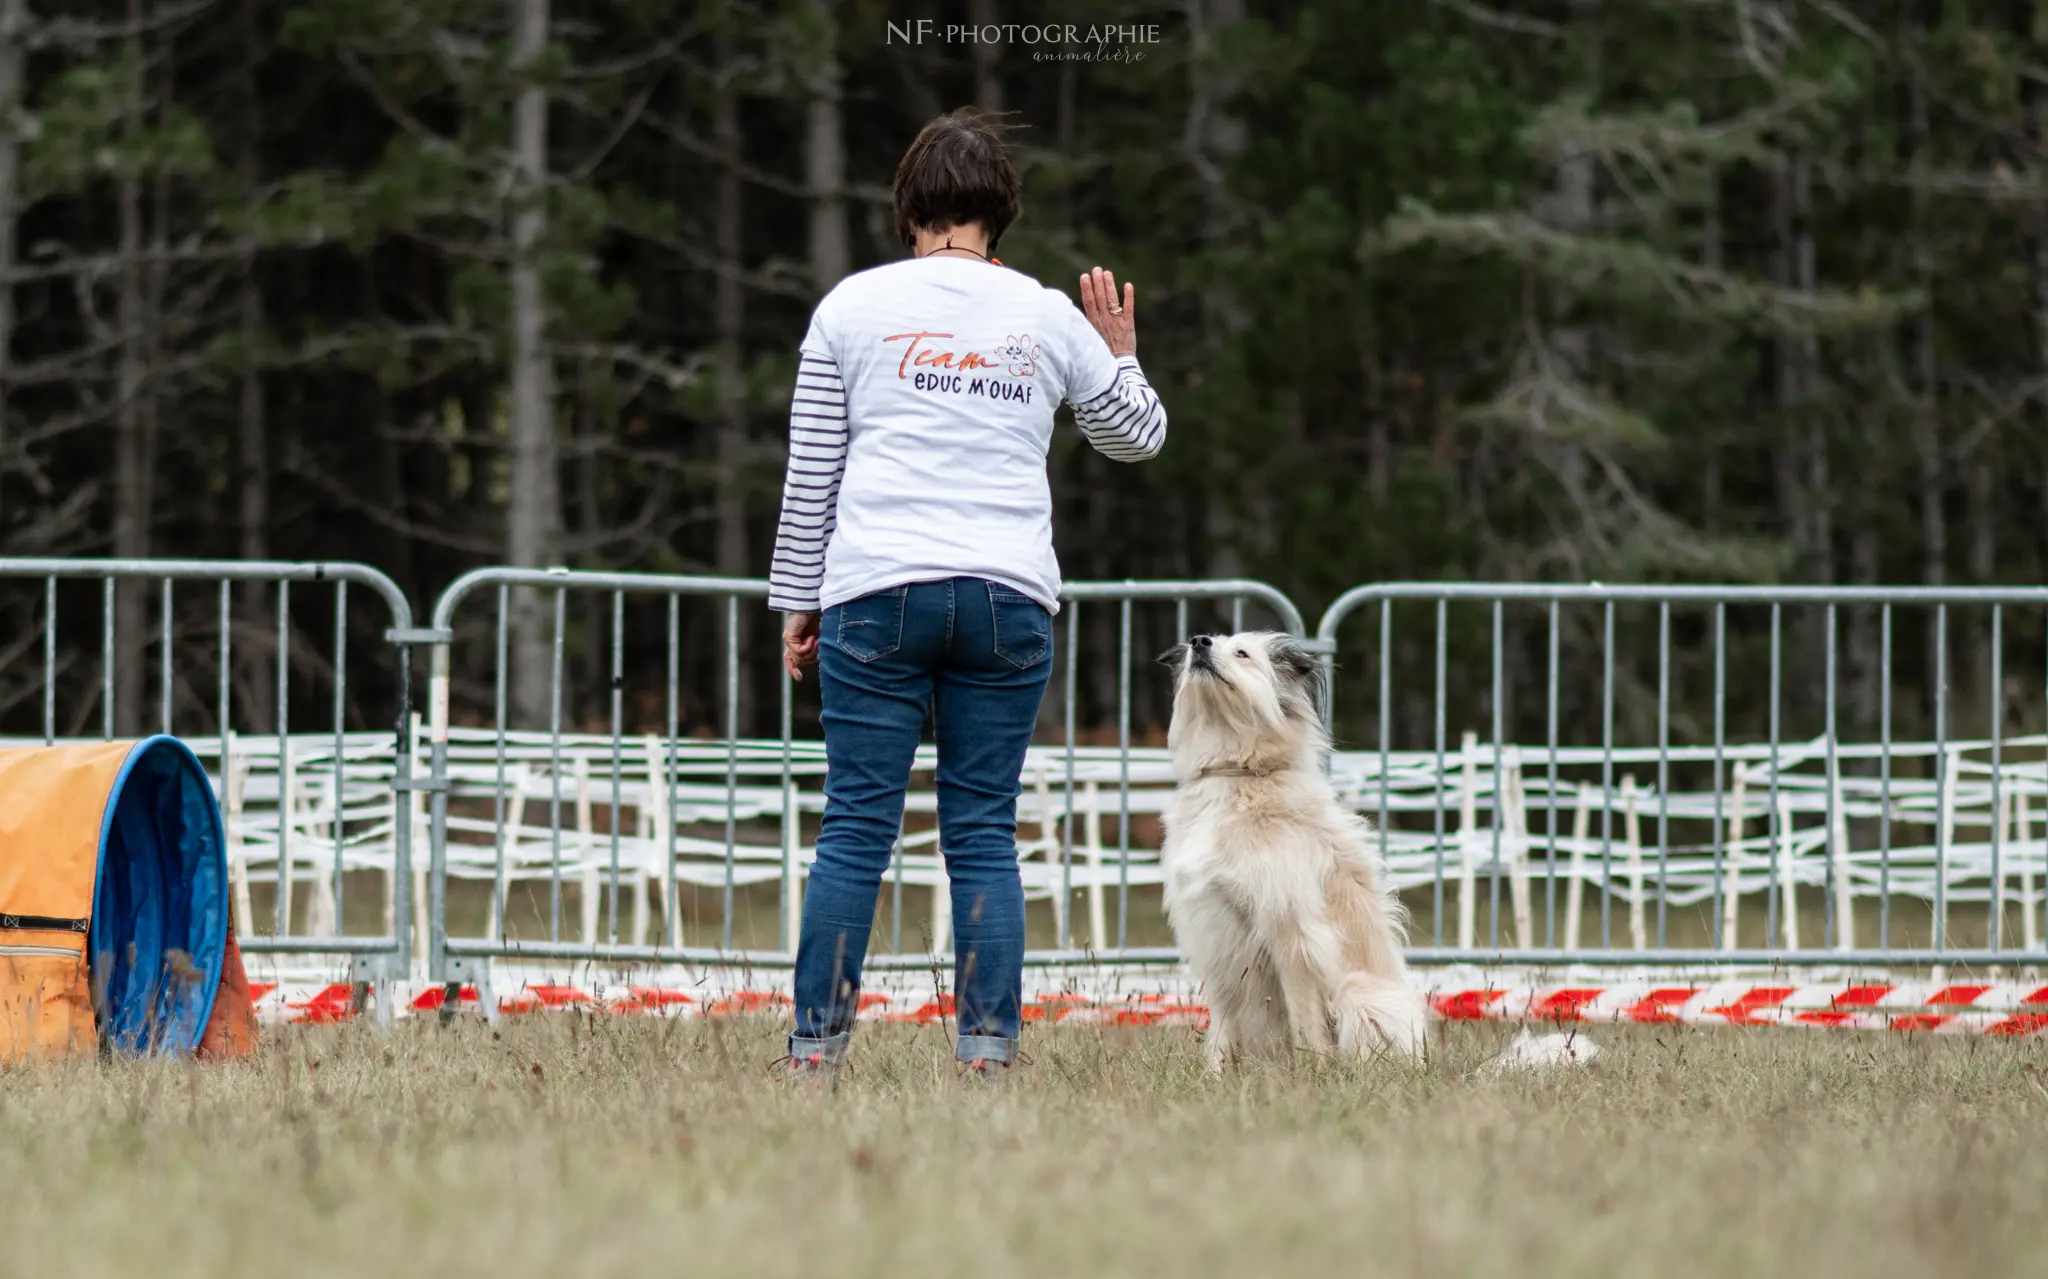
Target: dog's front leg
[[1308, 1009], [1219, 1043], [1305, 987], [1234, 1017]]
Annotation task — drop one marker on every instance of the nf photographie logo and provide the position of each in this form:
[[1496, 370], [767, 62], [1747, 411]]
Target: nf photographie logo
[[1048, 42]]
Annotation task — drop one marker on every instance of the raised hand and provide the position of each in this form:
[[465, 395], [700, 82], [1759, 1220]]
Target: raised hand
[[1116, 321]]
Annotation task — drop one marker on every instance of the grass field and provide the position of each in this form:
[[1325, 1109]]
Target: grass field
[[620, 1146]]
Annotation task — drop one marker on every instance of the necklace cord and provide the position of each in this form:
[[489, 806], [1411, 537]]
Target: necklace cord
[[960, 249]]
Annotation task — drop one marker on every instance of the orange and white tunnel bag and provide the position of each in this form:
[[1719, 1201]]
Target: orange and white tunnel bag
[[114, 910]]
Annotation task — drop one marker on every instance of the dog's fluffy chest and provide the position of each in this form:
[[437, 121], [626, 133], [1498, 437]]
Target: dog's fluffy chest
[[1251, 845]]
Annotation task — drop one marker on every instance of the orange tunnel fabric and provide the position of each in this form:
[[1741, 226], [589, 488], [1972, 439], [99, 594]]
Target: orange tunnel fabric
[[80, 831]]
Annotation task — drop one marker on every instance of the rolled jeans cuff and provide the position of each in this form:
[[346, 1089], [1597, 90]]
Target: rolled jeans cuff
[[986, 1048], [830, 1050]]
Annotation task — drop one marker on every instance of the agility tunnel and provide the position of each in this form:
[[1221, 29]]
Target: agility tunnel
[[114, 905]]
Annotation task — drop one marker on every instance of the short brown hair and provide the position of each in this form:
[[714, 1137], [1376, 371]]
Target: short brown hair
[[957, 171]]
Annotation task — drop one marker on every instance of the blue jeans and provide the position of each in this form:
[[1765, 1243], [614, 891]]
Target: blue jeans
[[976, 657]]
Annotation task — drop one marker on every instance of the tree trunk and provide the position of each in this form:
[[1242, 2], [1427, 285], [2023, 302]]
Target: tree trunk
[[1574, 199], [988, 84], [831, 256], [132, 462], [1379, 429], [1801, 410], [1926, 424], [1052, 710], [590, 519], [1216, 136], [1868, 676], [253, 429], [1861, 655], [2039, 96], [2041, 312], [533, 518], [14, 21], [1066, 110], [1711, 470], [396, 481], [1819, 483], [156, 404], [1802, 469], [1981, 482], [1984, 512], [731, 552], [1575, 193]]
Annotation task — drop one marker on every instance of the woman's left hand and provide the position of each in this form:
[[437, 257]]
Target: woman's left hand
[[799, 643], [1116, 321]]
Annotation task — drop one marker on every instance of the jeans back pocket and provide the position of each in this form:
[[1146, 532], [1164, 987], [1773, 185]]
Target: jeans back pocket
[[871, 627], [1023, 629]]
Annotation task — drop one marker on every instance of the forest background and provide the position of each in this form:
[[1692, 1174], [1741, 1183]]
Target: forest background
[[1564, 290]]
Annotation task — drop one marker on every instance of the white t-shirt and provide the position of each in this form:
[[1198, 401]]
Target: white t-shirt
[[920, 425]]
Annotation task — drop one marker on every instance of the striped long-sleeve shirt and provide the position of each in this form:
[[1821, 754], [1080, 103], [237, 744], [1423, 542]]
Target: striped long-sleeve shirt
[[810, 487], [919, 428]]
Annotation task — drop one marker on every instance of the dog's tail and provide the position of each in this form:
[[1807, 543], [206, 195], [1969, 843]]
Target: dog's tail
[[1380, 1013]]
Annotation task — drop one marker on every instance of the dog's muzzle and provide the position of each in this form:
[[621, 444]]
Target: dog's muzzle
[[1201, 653]]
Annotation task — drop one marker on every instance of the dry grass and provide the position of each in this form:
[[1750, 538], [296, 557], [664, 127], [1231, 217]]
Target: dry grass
[[623, 1146]]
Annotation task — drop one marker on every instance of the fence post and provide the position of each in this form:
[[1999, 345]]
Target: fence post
[[416, 813], [437, 810], [404, 782]]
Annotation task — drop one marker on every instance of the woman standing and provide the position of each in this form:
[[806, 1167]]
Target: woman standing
[[915, 562]]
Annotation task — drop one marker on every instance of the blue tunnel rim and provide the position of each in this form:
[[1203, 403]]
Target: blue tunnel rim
[[188, 762]]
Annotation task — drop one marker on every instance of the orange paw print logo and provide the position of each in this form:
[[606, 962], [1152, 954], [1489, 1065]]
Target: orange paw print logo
[[1019, 355]]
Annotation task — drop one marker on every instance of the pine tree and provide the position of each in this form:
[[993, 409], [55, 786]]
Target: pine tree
[[111, 128], [473, 175]]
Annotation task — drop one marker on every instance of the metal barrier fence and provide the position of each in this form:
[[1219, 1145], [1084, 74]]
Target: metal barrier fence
[[1757, 846], [299, 808], [726, 816], [1600, 775]]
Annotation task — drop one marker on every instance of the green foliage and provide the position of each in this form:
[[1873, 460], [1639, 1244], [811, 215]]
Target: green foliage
[[442, 76], [91, 125]]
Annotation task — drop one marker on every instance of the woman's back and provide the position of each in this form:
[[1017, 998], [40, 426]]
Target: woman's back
[[923, 415]]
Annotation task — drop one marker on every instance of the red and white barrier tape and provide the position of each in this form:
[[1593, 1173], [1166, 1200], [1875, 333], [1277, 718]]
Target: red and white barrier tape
[[2006, 1009]]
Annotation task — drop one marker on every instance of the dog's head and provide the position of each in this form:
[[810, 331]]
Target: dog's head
[[1252, 700]]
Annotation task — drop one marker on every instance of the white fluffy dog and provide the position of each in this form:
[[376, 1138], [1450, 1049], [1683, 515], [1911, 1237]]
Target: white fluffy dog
[[1272, 888]]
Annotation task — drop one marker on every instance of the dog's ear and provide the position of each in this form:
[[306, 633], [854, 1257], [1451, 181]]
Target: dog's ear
[[1298, 666], [1175, 657], [1291, 656]]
